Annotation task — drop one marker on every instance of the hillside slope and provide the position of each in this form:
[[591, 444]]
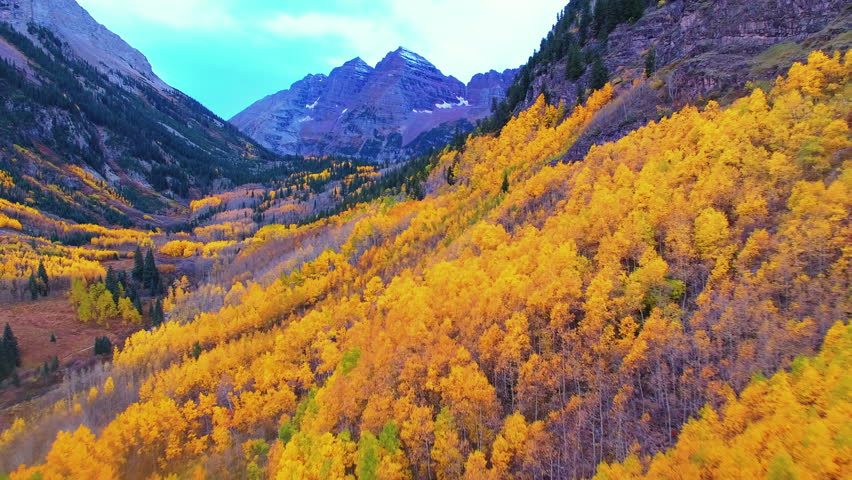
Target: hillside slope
[[521, 320], [89, 133], [732, 442], [690, 52]]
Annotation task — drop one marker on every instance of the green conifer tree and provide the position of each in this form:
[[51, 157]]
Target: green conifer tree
[[600, 75], [574, 67], [32, 286], [42, 277], [11, 345], [651, 62]]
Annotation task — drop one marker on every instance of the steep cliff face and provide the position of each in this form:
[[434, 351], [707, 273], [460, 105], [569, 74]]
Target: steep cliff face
[[492, 85], [399, 108], [87, 38], [708, 47], [702, 50]]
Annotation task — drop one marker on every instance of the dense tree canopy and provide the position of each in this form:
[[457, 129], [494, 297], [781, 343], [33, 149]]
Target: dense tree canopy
[[587, 314]]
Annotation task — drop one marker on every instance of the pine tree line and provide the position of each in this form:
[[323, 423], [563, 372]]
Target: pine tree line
[[145, 271]]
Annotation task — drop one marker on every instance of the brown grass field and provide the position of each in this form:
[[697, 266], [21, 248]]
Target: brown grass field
[[32, 322]]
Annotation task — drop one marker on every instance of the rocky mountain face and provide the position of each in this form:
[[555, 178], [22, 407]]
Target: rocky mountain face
[[90, 41], [402, 107], [707, 47], [89, 133], [700, 51]]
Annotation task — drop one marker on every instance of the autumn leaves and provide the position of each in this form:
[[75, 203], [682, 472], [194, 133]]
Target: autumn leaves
[[581, 317]]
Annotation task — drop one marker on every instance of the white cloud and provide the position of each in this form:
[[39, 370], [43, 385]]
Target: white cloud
[[461, 37], [316, 25], [359, 36], [466, 37], [206, 15]]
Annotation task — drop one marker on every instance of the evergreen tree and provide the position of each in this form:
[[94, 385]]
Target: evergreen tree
[[138, 265], [111, 283], [52, 337], [634, 9], [10, 345], [585, 23], [134, 297], [451, 174], [103, 346], [33, 287], [651, 62], [600, 75], [54, 364], [196, 350], [6, 366], [603, 14], [150, 275], [42, 277], [122, 279], [505, 186], [575, 66], [158, 315]]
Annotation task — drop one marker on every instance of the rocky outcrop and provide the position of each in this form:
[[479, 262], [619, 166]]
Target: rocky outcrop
[[492, 85], [705, 48], [376, 113], [87, 38]]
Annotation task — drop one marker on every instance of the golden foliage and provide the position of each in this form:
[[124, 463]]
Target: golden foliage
[[583, 315], [789, 426], [181, 248]]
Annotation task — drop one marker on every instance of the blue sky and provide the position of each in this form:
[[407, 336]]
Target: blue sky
[[229, 53]]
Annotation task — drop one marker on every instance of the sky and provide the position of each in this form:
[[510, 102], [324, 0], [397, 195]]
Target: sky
[[229, 53]]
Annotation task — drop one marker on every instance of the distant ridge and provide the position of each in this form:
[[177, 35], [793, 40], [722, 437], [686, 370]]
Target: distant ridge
[[403, 106]]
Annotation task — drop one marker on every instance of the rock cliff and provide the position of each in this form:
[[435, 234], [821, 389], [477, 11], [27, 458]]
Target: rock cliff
[[702, 50], [87, 38]]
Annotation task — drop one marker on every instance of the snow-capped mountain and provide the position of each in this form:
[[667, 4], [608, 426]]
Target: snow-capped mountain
[[403, 106]]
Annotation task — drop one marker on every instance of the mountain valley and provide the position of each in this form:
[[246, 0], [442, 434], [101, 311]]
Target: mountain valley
[[628, 258]]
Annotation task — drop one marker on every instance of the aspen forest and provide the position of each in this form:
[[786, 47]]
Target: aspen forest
[[675, 305]]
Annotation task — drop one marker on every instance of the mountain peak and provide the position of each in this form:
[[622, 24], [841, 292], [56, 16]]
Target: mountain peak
[[375, 113], [405, 57], [356, 62], [409, 55], [357, 65]]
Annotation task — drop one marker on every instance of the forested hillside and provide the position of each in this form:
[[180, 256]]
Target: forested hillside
[[524, 319], [84, 146]]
